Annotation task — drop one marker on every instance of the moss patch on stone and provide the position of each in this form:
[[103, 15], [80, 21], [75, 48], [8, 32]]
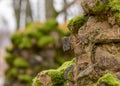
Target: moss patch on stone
[[9, 58], [75, 23], [20, 63], [24, 78], [114, 5], [10, 49], [45, 41], [33, 33], [110, 79], [94, 7], [70, 75], [25, 43], [102, 7], [99, 6], [16, 38], [36, 82], [51, 23], [57, 76], [11, 73]]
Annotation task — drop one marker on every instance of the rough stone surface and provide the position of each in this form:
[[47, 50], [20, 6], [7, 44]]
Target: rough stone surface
[[95, 40], [97, 43]]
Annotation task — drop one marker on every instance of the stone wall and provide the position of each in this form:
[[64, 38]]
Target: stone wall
[[95, 40], [36, 48]]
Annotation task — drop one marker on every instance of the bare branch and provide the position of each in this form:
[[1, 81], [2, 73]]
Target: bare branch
[[67, 6]]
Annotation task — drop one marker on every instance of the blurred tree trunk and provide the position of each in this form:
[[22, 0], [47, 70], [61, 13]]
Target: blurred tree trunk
[[23, 12], [29, 17], [38, 8], [50, 11], [67, 5], [17, 6], [65, 12]]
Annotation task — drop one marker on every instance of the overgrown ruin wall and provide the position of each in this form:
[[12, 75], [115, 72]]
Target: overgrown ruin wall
[[37, 47], [95, 40]]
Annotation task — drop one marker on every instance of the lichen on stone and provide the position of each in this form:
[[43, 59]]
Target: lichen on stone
[[75, 23], [109, 79]]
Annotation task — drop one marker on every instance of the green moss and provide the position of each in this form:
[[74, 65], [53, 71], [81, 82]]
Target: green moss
[[59, 61], [11, 73], [33, 33], [103, 7], [9, 58], [9, 49], [16, 38], [57, 76], [43, 29], [117, 15], [110, 79], [66, 64], [25, 78], [33, 37], [49, 26], [70, 74], [45, 40], [51, 23], [99, 7], [25, 43], [33, 25], [75, 23], [28, 24], [20, 63], [114, 5], [94, 7], [63, 32], [36, 82], [21, 41]]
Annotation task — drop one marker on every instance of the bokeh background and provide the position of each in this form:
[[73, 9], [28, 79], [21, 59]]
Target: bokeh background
[[31, 33]]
